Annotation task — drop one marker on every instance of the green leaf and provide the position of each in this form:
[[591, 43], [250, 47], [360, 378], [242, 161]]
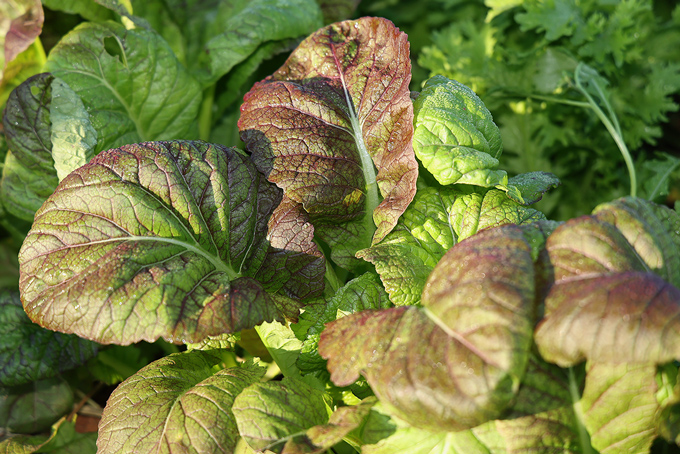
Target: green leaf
[[362, 293], [455, 137], [34, 407], [620, 409], [655, 175], [29, 352], [435, 221], [337, 10], [282, 345], [268, 414], [183, 401], [63, 440], [161, 239], [25, 65], [458, 361], [244, 26], [342, 98], [72, 135], [28, 176], [130, 83], [528, 188], [9, 264], [86, 8]]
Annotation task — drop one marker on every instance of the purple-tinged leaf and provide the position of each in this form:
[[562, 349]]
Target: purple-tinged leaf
[[458, 361], [181, 403], [336, 111], [161, 239], [602, 301], [29, 352], [622, 317], [25, 19], [653, 231]]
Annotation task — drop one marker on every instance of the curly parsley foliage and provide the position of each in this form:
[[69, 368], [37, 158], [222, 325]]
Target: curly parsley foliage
[[521, 61]]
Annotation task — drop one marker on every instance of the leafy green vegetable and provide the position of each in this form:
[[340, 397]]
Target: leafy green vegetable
[[346, 104], [33, 407], [30, 353], [182, 401], [198, 268]]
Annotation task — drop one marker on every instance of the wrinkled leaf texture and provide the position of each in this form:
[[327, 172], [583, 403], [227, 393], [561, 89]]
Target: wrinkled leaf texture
[[181, 403], [606, 303], [437, 219], [456, 362], [29, 352], [163, 239], [321, 125]]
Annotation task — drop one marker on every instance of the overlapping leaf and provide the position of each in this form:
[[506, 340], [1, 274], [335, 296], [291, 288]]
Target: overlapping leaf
[[457, 362], [28, 176], [268, 414], [435, 221], [130, 82], [605, 304], [181, 402], [455, 137], [34, 407], [162, 239], [29, 352], [336, 111]]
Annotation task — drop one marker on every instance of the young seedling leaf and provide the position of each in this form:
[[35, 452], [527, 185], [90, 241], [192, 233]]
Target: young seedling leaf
[[333, 129], [29, 352], [161, 239], [130, 82], [268, 414], [458, 361], [455, 137], [435, 221], [181, 402]]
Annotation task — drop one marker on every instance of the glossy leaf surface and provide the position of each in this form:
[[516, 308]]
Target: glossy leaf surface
[[333, 129], [457, 362], [162, 239], [455, 136], [181, 402]]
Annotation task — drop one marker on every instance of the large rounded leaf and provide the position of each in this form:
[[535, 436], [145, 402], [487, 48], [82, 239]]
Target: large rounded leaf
[[181, 403], [457, 362], [162, 239], [604, 303], [336, 111]]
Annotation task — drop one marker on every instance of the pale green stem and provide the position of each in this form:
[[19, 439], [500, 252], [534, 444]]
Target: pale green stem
[[583, 435]]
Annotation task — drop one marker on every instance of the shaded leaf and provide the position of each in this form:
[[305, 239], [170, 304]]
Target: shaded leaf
[[28, 176], [35, 406], [29, 352], [435, 221], [181, 402], [161, 239], [362, 293], [342, 98], [458, 361], [269, 413], [455, 137]]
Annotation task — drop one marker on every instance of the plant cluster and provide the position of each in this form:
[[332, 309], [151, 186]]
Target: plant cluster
[[361, 275]]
